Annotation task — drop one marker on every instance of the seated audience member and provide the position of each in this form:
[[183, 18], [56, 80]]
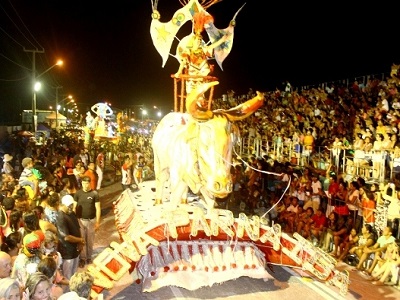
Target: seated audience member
[[326, 237], [349, 242], [261, 209], [253, 199], [318, 223], [378, 249], [366, 211], [365, 239], [288, 216], [387, 266], [273, 208], [303, 221], [316, 193], [339, 234]]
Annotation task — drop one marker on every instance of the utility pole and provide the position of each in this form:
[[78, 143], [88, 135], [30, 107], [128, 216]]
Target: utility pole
[[34, 115], [57, 88]]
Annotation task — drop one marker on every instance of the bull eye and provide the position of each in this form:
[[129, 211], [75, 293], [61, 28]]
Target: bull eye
[[217, 186]]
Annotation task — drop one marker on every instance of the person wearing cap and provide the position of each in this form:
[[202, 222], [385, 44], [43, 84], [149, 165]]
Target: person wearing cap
[[31, 254], [70, 241], [88, 210], [7, 167]]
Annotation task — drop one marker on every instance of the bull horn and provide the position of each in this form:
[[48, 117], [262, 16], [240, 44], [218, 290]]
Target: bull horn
[[191, 101], [245, 109]]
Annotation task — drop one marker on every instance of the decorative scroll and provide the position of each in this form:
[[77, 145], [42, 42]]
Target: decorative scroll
[[212, 242]]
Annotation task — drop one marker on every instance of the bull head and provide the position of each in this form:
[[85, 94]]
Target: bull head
[[237, 113]]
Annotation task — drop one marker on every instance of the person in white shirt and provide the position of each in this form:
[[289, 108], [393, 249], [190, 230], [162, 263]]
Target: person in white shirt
[[316, 193], [84, 156], [300, 194], [7, 167], [393, 210], [330, 89], [100, 163], [336, 149], [384, 104], [378, 249], [126, 171]]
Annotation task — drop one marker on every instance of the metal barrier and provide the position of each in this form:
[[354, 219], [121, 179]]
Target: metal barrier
[[374, 166]]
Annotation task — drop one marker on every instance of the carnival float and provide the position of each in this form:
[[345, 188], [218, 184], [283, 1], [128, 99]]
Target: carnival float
[[170, 240]]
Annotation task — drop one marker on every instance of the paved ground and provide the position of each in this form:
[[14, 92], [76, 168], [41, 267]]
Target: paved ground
[[288, 283]]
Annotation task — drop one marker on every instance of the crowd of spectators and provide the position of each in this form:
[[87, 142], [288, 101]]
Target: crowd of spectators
[[349, 206], [43, 234]]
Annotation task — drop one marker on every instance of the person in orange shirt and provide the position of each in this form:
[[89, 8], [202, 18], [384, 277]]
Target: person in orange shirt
[[368, 207], [91, 172], [308, 141]]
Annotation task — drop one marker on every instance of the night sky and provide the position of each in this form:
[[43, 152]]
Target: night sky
[[109, 56]]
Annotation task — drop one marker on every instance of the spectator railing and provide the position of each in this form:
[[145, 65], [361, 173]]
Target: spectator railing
[[373, 165]]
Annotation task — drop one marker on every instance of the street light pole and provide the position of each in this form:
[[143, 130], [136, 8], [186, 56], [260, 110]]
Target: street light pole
[[34, 115], [34, 78], [57, 88]]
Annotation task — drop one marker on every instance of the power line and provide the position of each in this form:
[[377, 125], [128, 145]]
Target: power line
[[27, 29]]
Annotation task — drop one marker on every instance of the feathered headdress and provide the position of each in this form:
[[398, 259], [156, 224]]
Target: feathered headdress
[[199, 20]]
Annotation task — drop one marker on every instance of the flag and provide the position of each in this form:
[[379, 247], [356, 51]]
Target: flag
[[214, 34], [163, 34], [223, 50]]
